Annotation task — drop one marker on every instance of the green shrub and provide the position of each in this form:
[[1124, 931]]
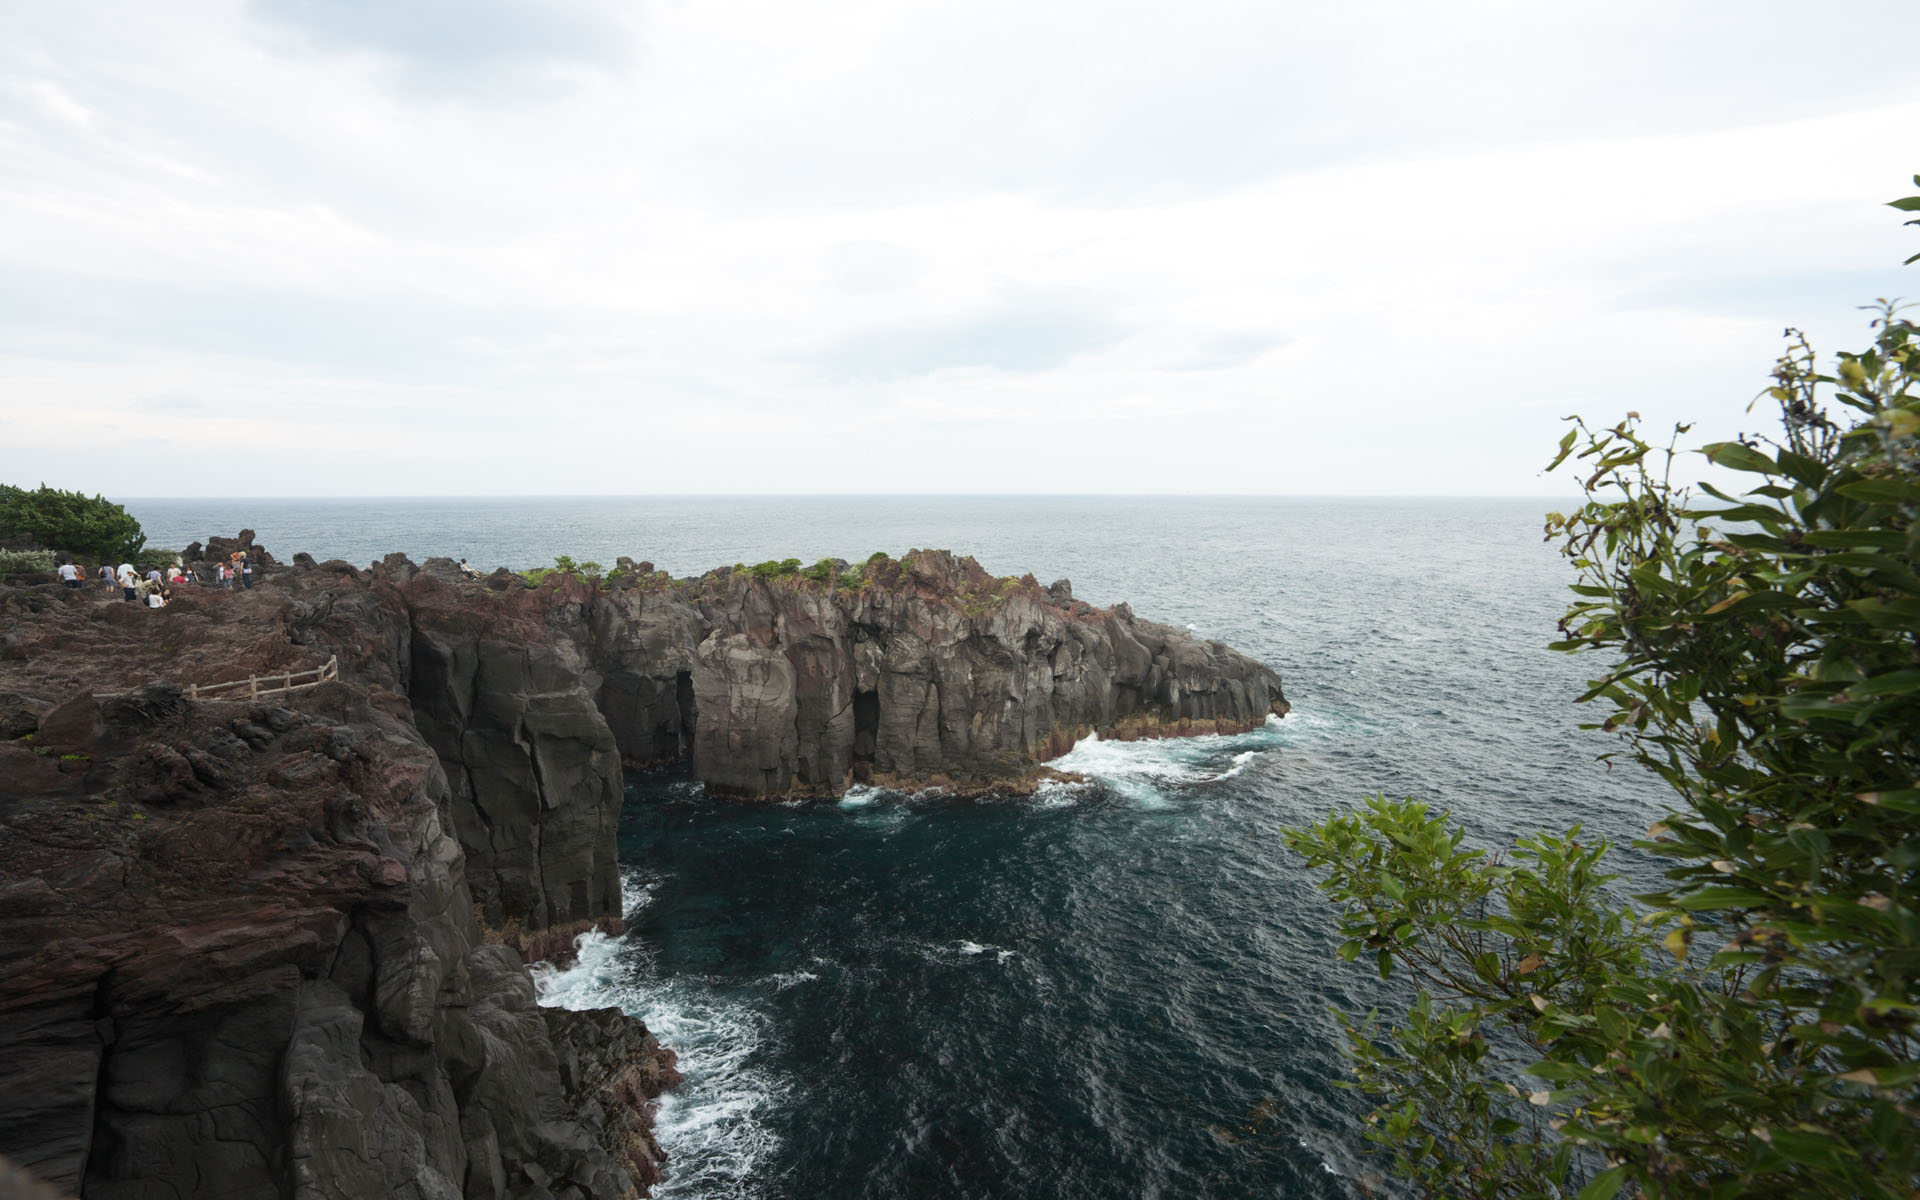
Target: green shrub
[[93, 528], [822, 571], [1751, 1030], [155, 559], [26, 562], [773, 570]]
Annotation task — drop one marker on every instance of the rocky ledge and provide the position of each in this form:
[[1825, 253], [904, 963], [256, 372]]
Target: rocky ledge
[[239, 957], [275, 945]]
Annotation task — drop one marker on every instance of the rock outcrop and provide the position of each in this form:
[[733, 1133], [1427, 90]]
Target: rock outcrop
[[926, 670], [238, 957], [276, 946]]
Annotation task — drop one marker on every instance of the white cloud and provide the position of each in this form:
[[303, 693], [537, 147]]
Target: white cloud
[[886, 246]]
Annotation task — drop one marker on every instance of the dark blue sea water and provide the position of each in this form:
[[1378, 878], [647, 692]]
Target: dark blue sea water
[[1116, 989]]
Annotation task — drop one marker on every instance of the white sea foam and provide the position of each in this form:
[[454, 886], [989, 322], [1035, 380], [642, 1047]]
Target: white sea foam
[[786, 979], [636, 891], [1056, 793], [1240, 762], [859, 796], [716, 1126], [965, 951], [1144, 772]]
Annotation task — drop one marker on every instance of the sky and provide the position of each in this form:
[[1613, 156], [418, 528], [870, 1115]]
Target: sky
[[400, 247]]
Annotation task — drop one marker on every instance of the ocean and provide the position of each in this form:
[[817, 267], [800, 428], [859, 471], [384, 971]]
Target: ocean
[[1112, 989]]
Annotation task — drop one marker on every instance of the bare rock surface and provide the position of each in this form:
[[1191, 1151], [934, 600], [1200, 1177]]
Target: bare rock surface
[[928, 671], [274, 945], [239, 955]]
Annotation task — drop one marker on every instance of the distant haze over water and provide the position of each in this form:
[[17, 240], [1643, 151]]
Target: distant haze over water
[[1118, 988]]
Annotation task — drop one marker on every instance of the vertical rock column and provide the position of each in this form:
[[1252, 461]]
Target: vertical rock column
[[535, 775]]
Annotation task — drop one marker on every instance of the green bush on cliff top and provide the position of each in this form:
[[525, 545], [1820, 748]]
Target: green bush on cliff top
[[774, 570], [25, 562], [1753, 1028], [94, 528]]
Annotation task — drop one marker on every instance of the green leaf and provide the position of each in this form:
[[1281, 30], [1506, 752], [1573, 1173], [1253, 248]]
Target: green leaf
[[1553, 1072], [1811, 1149], [1801, 469], [1881, 491], [1605, 1184], [1742, 512], [1566, 448], [1710, 898], [1740, 458], [1893, 683], [1855, 539]]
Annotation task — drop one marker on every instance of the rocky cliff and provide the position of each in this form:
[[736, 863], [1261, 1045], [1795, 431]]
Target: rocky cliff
[[275, 946], [917, 670], [239, 955]]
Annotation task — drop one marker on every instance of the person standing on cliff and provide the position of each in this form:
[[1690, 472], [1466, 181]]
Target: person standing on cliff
[[106, 574], [246, 572], [69, 576]]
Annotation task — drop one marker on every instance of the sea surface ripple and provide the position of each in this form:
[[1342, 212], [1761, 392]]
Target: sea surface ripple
[[1112, 989]]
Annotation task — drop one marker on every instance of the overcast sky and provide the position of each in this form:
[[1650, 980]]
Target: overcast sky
[[301, 247]]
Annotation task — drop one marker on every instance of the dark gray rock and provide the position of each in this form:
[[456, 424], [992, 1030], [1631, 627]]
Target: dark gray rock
[[535, 775], [19, 715], [934, 671], [279, 989]]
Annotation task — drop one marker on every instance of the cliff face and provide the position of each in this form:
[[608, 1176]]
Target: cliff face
[[930, 670], [275, 946], [238, 957]]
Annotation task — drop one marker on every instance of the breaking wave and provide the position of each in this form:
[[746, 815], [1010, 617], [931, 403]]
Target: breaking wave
[[717, 1126]]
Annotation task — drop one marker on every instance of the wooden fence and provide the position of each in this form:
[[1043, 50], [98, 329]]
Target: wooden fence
[[286, 682]]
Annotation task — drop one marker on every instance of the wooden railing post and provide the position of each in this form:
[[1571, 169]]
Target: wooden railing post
[[311, 677]]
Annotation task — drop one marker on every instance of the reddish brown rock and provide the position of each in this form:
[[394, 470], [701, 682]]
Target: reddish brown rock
[[71, 725], [239, 951], [238, 956]]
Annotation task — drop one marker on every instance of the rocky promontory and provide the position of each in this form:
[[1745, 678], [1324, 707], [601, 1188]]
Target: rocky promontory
[[275, 945]]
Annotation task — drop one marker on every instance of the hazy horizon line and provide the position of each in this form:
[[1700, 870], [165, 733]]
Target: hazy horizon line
[[862, 496]]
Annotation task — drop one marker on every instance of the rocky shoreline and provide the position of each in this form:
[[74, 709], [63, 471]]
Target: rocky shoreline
[[276, 945]]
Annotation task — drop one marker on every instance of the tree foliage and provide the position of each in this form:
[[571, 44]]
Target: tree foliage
[[94, 528], [1749, 1030]]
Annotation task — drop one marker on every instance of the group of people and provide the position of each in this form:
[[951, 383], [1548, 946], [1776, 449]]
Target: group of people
[[155, 588]]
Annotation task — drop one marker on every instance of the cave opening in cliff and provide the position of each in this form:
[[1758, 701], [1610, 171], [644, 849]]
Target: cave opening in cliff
[[866, 725], [683, 700]]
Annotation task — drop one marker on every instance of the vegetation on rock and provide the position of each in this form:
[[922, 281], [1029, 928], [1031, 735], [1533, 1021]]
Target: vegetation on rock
[[23, 562], [1749, 1029], [94, 528]]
